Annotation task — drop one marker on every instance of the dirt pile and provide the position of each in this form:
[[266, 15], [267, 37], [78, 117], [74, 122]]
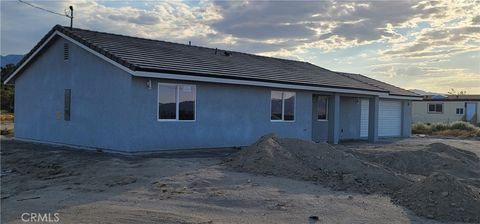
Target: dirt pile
[[268, 156], [434, 158], [441, 196], [433, 182], [307, 160]]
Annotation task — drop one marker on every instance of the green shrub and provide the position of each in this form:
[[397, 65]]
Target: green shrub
[[460, 125]]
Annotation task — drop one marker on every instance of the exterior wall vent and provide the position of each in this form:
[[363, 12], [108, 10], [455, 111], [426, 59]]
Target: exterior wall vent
[[66, 52], [67, 104]]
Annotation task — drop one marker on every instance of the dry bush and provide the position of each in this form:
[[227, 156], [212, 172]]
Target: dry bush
[[6, 132], [456, 133], [461, 125], [456, 129], [439, 127], [6, 117], [421, 128]]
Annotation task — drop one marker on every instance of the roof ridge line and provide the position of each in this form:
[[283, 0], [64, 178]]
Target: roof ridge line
[[93, 46], [384, 83], [343, 74], [170, 42], [300, 72]]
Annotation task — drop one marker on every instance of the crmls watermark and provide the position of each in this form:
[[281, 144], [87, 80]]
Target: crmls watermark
[[40, 217]]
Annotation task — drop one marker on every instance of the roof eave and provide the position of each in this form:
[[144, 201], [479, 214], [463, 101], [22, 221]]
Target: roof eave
[[144, 72], [251, 82], [65, 33]]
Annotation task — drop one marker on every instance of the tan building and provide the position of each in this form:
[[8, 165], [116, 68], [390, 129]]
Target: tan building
[[447, 109]]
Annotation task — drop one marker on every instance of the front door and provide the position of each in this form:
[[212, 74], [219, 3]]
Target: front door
[[470, 109], [319, 118]]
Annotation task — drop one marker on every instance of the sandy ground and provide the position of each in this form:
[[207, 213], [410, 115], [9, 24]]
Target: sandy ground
[[470, 144], [94, 187]]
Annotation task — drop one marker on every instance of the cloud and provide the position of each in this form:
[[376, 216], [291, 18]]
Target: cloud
[[374, 20], [142, 18], [269, 25], [401, 42], [268, 20], [476, 20], [438, 42], [429, 76], [268, 31], [340, 24], [442, 83]]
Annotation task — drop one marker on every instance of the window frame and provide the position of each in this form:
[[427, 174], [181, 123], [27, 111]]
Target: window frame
[[459, 109], [283, 106], [326, 108], [435, 105], [177, 102]]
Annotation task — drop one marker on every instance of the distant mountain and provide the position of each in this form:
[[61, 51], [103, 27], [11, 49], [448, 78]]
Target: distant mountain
[[425, 93], [10, 59]]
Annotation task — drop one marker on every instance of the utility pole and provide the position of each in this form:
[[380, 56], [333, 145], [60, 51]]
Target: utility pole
[[71, 17]]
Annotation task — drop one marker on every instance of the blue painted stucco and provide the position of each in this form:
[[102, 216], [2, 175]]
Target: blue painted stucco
[[111, 109], [100, 100], [227, 115], [319, 127]]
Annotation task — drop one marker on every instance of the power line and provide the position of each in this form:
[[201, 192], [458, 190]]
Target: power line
[[46, 10]]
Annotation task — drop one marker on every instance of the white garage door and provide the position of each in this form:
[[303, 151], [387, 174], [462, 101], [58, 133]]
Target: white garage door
[[364, 118], [389, 118]]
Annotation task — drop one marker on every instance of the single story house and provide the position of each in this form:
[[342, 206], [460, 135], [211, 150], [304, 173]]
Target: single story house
[[100, 90], [447, 109]]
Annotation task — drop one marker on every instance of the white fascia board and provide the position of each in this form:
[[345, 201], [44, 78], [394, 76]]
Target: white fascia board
[[401, 97], [74, 42], [205, 79], [253, 83], [29, 59], [96, 53]]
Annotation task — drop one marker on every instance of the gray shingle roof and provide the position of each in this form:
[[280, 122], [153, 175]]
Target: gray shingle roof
[[139, 54], [393, 90]]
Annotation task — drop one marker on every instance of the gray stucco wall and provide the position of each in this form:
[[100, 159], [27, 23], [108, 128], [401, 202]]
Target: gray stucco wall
[[99, 103], [226, 115], [350, 112]]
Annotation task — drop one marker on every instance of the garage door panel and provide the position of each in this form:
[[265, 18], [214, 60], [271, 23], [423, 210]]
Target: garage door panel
[[364, 118], [390, 118]]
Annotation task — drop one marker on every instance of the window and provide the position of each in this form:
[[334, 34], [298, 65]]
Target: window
[[66, 52], [176, 102], [167, 102], [67, 103], [322, 107], [435, 108], [459, 111], [186, 102], [282, 106]]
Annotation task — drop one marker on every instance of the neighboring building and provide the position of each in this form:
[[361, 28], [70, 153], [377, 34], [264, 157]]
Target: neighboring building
[[447, 109], [128, 94]]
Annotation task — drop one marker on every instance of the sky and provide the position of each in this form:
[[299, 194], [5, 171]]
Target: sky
[[428, 45]]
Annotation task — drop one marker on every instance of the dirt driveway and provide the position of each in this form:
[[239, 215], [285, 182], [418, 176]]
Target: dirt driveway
[[92, 187]]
